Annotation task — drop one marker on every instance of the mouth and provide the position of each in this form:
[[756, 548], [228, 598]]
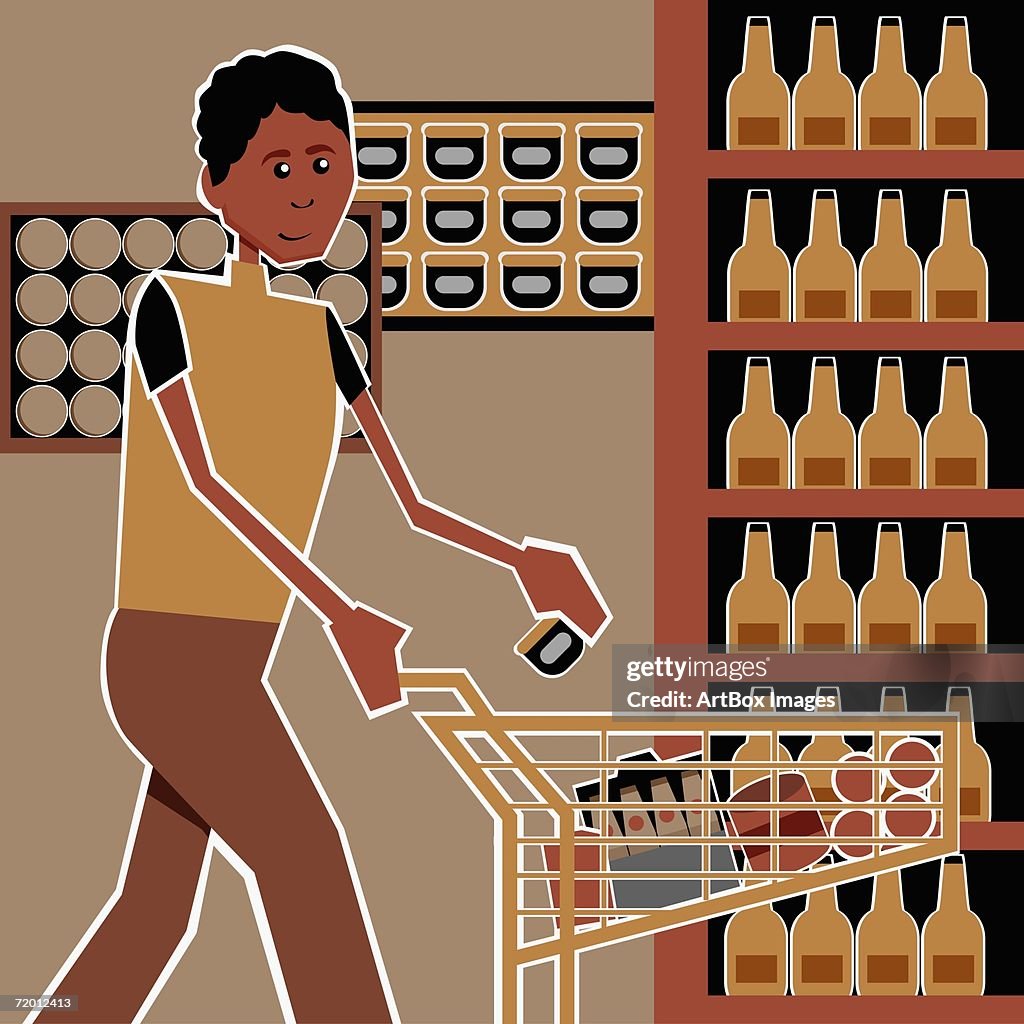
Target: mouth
[[294, 238]]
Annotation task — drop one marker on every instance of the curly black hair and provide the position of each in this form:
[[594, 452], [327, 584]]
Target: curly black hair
[[240, 94]]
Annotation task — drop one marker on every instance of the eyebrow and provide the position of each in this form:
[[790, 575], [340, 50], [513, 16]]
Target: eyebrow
[[276, 152], [319, 149]]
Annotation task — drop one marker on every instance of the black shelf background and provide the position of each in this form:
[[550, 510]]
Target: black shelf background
[[856, 372], [997, 219], [989, 27]]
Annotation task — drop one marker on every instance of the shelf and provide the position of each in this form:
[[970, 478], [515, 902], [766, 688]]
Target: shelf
[[1003, 335], [869, 504], [855, 1010], [992, 835], [991, 163]]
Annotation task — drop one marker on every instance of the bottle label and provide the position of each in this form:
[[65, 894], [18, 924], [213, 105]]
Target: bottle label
[[953, 970], [757, 970], [889, 131], [884, 304], [758, 131], [824, 472], [889, 634], [956, 131], [821, 970], [824, 634], [956, 472], [888, 969], [759, 304], [970, 802], [956, 633], [824, 131], [824, 305], [956, 305], [889, 473], [758, 472], [757, 634]]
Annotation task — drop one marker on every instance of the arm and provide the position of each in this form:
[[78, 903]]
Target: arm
[[553, 578]]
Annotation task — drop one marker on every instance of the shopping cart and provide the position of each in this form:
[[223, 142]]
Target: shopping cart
[[524, 766]]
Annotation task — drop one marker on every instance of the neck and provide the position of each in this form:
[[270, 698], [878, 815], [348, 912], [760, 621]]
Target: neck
[[822, 899], [891, 230], [956, 52], [760, 229], [961, 703], [889, 55], [824, 557], [953, 887], [824, 49], [890, 555], [824, 391], [956, 395], [247, 252], [956, 223], [757, 53], [890, 389], [758, 559], [956, 559], [757, 396], [825, 226], [888, 890]]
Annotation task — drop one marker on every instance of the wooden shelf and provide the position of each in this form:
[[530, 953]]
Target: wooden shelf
[[764, 164], [868, 504], [857, 1009], [992, 835], [1001, 335]]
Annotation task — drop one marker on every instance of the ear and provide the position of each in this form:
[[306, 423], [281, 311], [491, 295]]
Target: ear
[[209, 192]]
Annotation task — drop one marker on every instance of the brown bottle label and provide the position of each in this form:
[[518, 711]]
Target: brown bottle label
[[956, 304], [892, 305], [757, 634], [889, 131], [888, 969], [758, 472], [824, 634], [821, 970], [953, 970], [757, 970], [758, 131], [824, 794], [956, 131], [956, 472], [824, 472], [821, 305], [760, 304], [970, 801], [889, 634], [889, 473], [824, 131], [956, 633]]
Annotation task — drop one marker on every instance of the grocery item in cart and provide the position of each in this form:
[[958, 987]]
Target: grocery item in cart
[[587, 891], [752, 822]]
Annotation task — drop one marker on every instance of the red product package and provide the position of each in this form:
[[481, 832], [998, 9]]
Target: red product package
[[588, 890]]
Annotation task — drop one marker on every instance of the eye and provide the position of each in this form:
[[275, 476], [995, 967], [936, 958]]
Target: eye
[[282, 170], [321, 165]]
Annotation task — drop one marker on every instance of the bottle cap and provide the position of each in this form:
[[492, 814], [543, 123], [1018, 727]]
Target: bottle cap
[[956, 361], [956, 193], [826, 193], [893, 691], [758, 361], [760, 193], [890, 527], [956, 527], [891, 193], [961, 22], [757, 527], [825, 361], [956, 858], [889, 22], [889, 361], [959, 691], [762, 22], [825, 21], [824, 527]]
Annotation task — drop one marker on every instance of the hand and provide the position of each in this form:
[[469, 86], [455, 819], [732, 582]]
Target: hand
[[555, 583], [367, 643]]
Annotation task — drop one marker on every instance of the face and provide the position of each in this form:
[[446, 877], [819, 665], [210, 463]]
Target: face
[[288, 193]]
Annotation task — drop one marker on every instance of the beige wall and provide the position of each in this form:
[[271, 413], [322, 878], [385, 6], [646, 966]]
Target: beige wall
[[564, 454]]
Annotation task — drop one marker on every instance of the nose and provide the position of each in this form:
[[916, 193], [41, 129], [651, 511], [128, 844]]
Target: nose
[[301, 206]]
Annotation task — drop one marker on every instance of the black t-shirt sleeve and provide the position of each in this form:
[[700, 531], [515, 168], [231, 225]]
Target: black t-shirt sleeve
[[161, 348], [348, 372]]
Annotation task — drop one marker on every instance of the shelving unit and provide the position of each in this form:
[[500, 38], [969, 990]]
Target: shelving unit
[[683, 505]]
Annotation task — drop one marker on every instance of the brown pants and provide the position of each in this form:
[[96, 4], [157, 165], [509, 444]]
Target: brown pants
[[187, 691]]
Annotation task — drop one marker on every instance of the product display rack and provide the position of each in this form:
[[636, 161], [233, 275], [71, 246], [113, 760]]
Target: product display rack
[[683, 504]]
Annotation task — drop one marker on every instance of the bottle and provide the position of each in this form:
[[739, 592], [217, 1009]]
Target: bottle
[[888, 944], [975, 769], [823, 99], [821, 946], [757, 608], [890, 99], [823, 606], [758, 745], [890, 271], [955, 101], [955, 609], [828, 746], [894, 702], [823, 439], [890, 439], [955, 440], [758, 439], [759, 280], [889, 608], [956, 274], [825, 274], [757, 104], [756, 953], [953, 939]]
